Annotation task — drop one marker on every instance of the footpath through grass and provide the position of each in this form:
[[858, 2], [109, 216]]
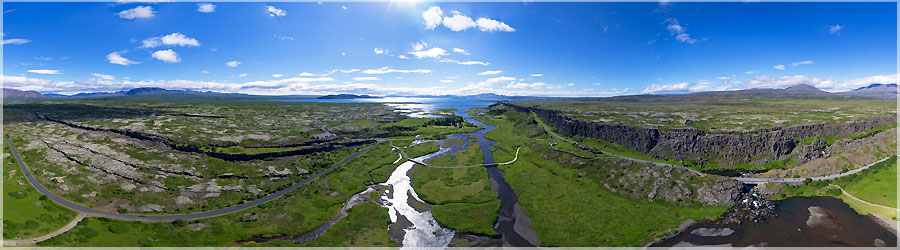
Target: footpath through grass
[[462, 197], [26, 212], [877, 184], [364, 226], [298, 212], [570, 209], [879, 187]]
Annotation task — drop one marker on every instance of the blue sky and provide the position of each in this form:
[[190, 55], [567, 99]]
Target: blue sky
[[411, 48]]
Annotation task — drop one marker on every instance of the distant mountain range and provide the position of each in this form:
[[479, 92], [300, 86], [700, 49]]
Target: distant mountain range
[[876, 90], [16, 94], [346, 96]]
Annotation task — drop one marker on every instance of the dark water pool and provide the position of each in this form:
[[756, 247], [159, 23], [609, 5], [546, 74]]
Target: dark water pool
[[800, 222]]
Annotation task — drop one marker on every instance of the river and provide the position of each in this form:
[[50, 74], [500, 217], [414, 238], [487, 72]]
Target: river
[[412, 222]]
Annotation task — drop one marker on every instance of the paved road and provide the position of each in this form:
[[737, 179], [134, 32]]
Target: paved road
[[553, 146], [547, 128], [156, 218], [34, 240], [815, 178], [741, 179]]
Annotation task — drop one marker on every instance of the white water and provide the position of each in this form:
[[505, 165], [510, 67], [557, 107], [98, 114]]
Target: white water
[[425, 231]]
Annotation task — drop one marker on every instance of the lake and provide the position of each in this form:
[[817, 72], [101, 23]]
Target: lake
[[413, 106]]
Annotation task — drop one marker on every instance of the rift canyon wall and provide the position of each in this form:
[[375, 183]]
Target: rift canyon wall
[[723, 149]]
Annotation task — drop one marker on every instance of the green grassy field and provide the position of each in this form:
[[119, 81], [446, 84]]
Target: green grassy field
[[423, 127], [471, 156], [610, 147], [421, 149], [877, 184], [879, 187], [461, 196], [571, 209], [477, 218], [364, 226], [27, 213], [297, 212], [717, 114]]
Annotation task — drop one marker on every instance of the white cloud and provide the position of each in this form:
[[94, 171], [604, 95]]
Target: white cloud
[[242, 75], [385, 70], [461, 51], [402, 57], [488, 83], [366, 78], [379, 51], [307, 74], [729, 83], [168, 56], [343, 54], [537, 75], [493, 25], [429, 53], [275, 11], [137, 12], [522, 85], [420, 45], [666, 88], [43, 58], [751, 72], [779, 67], [802, 63], [490, 72], [728, 79], [45, 71], [104, 77], [26, 83], [345, 70], [141, 1], [277, 75], [174, 39], [446, 81], [233, 64], [204, 72], [15, 41], [679, 32], [458, 23], [116, 58], [835, 29], [433, 17], [206, 7], [570, 84], [465, 62], [283, 38]]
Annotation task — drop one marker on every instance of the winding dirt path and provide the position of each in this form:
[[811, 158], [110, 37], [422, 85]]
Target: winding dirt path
[[403, 155], [24, 242], [860, 200], [157, 218]]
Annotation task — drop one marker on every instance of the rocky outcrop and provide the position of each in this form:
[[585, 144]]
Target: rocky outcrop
[[750, 208], [701, 147], [329, 146]]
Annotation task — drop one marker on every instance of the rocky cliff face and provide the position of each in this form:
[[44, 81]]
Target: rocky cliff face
[[647, 182], [701, 147]]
